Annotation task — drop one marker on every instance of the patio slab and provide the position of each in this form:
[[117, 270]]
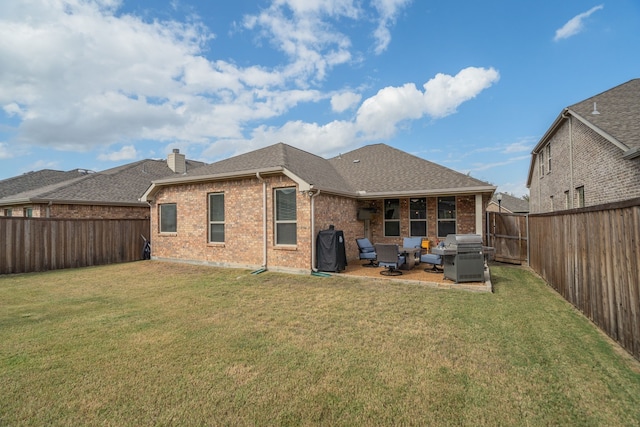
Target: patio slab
[[417, 275]]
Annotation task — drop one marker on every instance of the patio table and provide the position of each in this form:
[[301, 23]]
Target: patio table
[[410, 257]]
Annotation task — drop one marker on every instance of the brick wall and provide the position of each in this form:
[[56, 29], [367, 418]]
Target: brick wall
[[244, 227], [597, 165], [81, 211]]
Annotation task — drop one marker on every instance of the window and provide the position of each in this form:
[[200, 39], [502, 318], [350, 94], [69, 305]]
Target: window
[[541, 163], [446, 216], [216, 217], [551, 203], [580, 193], [418, 217], [392, 217], [8, 212], [27, 212], [548, 158], [168, 218], [285, 216], [567, 201]]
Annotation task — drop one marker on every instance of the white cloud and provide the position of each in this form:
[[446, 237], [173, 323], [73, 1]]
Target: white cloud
[[128, 152], [575, 24], [380, 115], [523, 145], [388, 10], [5, 152], [343, 101]]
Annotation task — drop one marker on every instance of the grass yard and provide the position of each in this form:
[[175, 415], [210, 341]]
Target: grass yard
[[152, 343]]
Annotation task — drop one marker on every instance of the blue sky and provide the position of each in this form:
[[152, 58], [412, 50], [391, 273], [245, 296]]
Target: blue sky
[[471, 85]]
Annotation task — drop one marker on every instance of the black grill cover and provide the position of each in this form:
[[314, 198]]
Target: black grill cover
[[330, 251]]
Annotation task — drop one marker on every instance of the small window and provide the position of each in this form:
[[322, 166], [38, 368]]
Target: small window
[[541, 163], [286, 216], [548, 158], [168, 218], [8, 212], [567, 200], [216, 218], [27, 212], [580, 194], [551, 203], [392, 217], [446, 216], [418, 217]]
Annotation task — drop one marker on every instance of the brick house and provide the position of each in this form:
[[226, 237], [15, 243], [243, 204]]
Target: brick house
[[591, 153], [263, 209], [110, 194], [508, 204]]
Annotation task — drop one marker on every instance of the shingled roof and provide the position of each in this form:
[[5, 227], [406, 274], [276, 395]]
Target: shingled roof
[[38, 179], [122, 185], [613, 114], [618, 112], [371, 171]]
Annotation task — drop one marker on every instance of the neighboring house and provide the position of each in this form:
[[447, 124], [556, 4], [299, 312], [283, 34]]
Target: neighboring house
[[263, 209], [508, 204], [591, 153], [110, 194]]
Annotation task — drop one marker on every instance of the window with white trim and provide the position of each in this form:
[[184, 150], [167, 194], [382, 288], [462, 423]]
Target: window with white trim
[[216, 218], [580, 194], [541, 163], [392, 217], [285, 216], [418, 217], [549, 158], [168, 213]]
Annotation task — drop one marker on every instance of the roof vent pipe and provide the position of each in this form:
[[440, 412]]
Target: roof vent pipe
[[595, 110]]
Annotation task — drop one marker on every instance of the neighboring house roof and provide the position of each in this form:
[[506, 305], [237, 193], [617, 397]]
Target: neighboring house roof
[[371, 171], [121, 185], [34, 180], [613, 114], [510, 203]]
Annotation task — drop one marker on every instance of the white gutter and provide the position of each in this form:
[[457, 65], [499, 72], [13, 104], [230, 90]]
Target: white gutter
[[264, 220], [313, 230]]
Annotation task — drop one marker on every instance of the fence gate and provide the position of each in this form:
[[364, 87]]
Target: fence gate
[[508, 234]]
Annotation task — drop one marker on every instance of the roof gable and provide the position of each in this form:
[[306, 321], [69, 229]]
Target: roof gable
[[34, 180], [618, 112]]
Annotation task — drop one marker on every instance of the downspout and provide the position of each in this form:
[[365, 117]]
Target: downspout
[[264, 221], [313, 231]]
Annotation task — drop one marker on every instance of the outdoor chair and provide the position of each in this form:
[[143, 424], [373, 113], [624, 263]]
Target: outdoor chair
[[389, 258], [367, 251], [434, 260], [413, 242]]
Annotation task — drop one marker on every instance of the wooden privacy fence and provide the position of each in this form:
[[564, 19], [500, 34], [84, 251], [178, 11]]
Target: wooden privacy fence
[[508, 236], [591, 257], [39, 244]]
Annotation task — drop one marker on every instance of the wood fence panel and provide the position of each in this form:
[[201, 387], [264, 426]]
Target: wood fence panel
[[591, 257], [39, 244]]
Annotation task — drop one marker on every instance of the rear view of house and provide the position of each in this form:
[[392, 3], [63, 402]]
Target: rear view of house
[[591, 153], [264, 208]]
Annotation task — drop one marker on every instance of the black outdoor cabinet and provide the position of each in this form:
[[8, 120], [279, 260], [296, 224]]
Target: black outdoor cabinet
[[330, 251]]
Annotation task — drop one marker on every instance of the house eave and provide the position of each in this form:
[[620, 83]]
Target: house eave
[[156, 185], [457, 191]]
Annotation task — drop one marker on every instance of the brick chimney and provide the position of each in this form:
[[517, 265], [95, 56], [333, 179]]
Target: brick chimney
[[176, 161]]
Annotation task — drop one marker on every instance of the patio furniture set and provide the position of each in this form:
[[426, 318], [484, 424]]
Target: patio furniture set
[[395, 258]]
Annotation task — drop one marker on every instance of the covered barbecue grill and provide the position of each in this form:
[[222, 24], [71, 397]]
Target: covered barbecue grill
[[463, 257]]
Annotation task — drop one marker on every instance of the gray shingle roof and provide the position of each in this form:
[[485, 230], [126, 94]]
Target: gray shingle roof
[[512, 204], [371, 170], [120, 185], [34, 180], [380, 168], [619, 110]]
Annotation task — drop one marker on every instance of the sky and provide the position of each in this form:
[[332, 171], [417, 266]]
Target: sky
[[471, 85]]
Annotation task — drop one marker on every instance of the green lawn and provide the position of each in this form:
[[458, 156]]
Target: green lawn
[[151, 343]]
